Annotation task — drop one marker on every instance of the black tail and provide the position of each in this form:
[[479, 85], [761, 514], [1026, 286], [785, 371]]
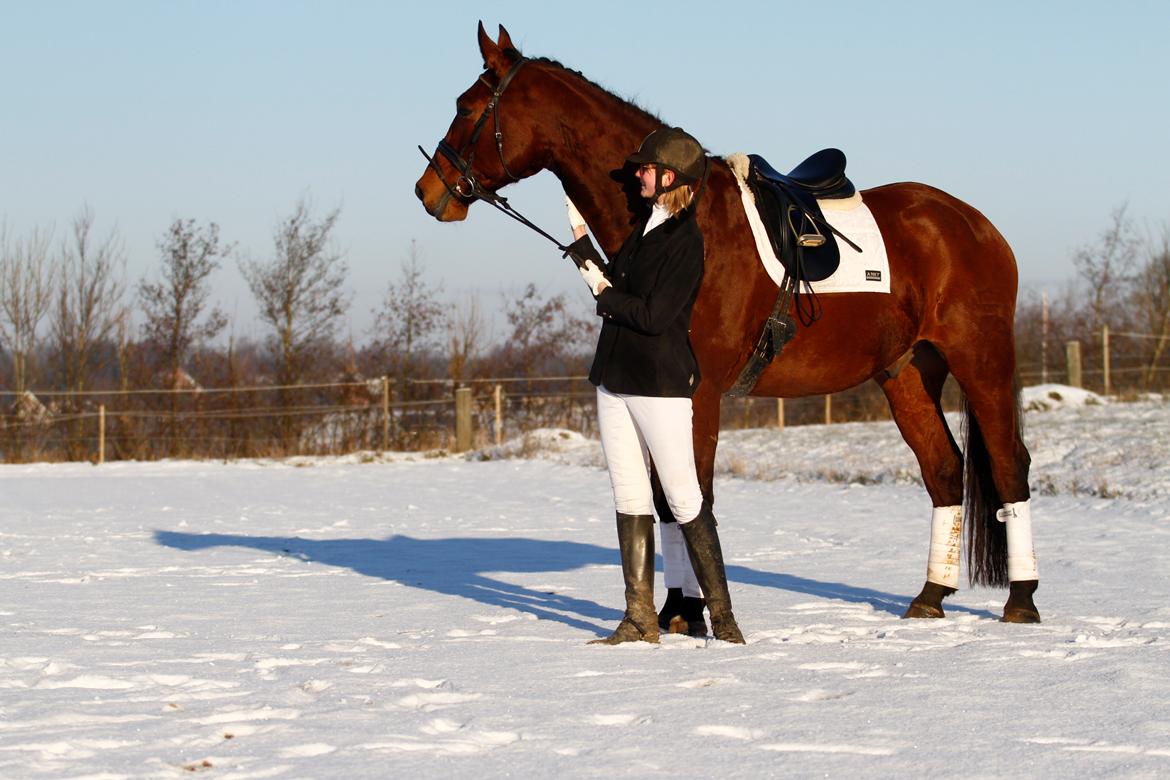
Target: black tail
[[986, 536]]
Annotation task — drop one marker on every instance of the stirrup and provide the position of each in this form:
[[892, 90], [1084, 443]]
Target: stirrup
[[813, 239]]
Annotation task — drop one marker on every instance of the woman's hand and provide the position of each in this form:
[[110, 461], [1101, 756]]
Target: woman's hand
[[594, 278]]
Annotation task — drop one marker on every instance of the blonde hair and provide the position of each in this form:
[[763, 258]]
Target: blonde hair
[[677, 199]]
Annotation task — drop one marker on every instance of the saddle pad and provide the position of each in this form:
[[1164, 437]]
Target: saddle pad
[[865, 271]]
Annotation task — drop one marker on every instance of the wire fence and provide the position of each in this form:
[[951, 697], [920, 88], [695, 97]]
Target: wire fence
[[262, 421], [418, 415]]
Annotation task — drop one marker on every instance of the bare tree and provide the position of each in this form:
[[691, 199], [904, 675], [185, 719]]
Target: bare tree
[[544, 333], [406, 324], [467, 333], [1152, 299], [300, 291], [89, 299], [175, 306], [1105, 265], [26, 293]]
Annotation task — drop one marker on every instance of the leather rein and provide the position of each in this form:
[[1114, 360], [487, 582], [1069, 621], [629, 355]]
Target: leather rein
[[467, 186]]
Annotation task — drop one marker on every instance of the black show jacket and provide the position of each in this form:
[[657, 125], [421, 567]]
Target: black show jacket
[[644, 347]]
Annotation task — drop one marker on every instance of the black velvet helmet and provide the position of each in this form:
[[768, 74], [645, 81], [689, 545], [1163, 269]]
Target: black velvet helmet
[[673, 148]]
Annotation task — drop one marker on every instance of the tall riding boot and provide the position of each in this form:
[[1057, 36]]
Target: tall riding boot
[[707, 558], [636, 543]]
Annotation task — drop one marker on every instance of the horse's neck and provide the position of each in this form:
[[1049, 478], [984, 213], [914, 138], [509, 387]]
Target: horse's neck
[[591, 134]]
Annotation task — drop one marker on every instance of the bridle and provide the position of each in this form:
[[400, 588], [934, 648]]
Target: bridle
[[467, 186]]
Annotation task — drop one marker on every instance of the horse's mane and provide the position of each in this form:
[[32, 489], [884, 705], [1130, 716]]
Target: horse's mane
[[627, 101]]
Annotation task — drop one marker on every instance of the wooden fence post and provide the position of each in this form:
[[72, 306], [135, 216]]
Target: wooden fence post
[[1105, 355], [828, 409], [499, 397], [780, 413], [101, 434], [385, 413], [1072, 351], [462, 419]]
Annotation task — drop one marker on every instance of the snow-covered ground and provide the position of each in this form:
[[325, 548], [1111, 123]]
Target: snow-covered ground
[[421, 617]]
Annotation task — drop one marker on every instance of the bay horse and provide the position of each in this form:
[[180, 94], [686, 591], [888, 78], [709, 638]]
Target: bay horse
[[950, 308]]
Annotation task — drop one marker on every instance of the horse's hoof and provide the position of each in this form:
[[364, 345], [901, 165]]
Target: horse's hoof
[[1019, 607], [682, 614], [919, 610], [928, 603], [1020, 616], [694, 627]]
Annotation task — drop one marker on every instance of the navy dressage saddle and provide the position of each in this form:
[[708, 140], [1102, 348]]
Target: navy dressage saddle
[[800, 236]]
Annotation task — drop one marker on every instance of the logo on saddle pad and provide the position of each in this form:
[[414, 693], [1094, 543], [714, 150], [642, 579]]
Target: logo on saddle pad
[[873, 276]]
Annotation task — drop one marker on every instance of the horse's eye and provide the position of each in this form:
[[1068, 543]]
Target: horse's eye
[[463, 111]]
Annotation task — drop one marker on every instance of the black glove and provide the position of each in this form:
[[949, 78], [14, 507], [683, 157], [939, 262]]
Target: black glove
[[582, 251]]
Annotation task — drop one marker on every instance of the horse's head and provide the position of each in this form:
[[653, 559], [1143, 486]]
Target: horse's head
[[486, 146]]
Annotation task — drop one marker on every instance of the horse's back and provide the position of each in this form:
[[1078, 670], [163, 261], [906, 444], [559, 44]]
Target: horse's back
[[944, 255]]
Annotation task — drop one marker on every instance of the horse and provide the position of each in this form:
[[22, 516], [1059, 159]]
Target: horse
[[950, 309]]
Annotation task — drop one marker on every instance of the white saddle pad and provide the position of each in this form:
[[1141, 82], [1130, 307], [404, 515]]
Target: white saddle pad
[[865, 271]]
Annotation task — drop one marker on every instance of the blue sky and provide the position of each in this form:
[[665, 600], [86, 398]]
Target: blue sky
[[1044, 115]]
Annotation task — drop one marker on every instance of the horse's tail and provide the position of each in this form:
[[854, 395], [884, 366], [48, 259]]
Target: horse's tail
[[986, 536]]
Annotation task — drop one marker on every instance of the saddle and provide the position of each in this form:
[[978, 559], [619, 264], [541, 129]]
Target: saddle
[[788, 206], [803, 243]]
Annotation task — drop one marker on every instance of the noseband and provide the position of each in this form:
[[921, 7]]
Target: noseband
[[467, 186]]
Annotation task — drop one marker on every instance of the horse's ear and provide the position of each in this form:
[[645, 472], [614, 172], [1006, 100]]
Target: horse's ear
[[505, 40], [494, 58]]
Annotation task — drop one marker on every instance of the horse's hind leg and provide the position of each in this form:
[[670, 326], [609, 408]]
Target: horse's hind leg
[[914, 394], [1000, 549]]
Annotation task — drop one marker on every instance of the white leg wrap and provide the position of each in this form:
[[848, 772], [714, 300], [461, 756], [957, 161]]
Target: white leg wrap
[[676, 564], [946, 532], [1021, 554]]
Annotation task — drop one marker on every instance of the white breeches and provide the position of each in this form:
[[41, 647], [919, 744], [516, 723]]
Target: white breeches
[[636, 428]]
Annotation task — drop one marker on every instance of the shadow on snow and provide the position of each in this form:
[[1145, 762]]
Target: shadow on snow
[[460, 566]]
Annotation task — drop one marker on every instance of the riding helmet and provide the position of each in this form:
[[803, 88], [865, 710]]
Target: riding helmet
[[673, 148]]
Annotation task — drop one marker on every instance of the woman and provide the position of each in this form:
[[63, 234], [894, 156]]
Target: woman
[[646, 373]]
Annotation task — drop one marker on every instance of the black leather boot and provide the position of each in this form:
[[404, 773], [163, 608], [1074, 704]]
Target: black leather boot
[[707, 559], [636, 543], [682, 614]]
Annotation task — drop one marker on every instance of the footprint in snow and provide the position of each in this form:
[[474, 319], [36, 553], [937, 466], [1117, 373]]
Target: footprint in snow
[[620, 719], [427, 702], [462, 743], [419, 682], [812, 747], [820, 694], [730, 732], [307, 751], [706, 682], [442, 726]]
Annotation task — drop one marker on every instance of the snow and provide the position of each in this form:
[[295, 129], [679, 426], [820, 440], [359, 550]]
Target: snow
[[405, 615]]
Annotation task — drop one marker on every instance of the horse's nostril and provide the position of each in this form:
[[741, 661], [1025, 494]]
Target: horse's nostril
[[418, 193]]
